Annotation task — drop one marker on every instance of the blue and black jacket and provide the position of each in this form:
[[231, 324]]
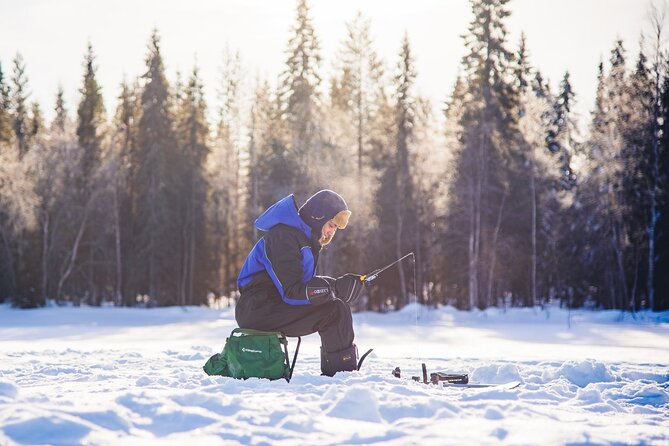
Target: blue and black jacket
[[283, 262]]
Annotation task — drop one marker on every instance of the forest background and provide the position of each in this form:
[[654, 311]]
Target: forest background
[[506, 195]]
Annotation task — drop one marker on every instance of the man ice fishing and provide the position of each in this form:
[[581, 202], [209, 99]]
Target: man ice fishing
[[280, 290]]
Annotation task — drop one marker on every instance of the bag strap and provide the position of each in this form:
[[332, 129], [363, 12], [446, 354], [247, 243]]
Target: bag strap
[[297, 349], [285, 352]]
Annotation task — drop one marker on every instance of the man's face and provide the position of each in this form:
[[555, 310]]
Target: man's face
[[327, 233]]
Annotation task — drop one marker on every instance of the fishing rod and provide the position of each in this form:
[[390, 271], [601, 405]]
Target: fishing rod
[[369, 278]]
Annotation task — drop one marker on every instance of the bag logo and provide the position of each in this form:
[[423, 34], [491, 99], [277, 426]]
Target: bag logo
[[250, 350]]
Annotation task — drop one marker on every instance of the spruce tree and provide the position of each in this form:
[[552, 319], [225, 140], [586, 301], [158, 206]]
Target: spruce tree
[[357, 89], [300, 102], [155, 186], [661, 240], [638, 179], [396, 207], [60, 119], [563, 142], [19, 104], [586, 258], [227, 175], [357, 126], [273, 166], [486, 159], [193, 135], [602, 193], [36, 125], [125, 125], [90, 114], [5, 110]]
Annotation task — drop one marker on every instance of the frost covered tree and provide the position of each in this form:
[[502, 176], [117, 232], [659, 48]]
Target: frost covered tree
[[119, 171], [155, 186], [357, 89], [5, 110], [300, 98], [563, 131], [481, 190], [395, 200], [358, 120], [60, 120], [19, 104], [17, 216], [90, 120], [226, 203], [612, 197], [661, 230], [658, 165], [192, 131]]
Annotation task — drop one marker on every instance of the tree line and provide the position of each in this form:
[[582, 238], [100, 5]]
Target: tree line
[[502, 199]]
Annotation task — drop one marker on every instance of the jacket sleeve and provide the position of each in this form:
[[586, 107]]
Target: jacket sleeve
[[291, 268]]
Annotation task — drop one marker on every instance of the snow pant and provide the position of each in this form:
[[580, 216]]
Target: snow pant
[[261, 309]]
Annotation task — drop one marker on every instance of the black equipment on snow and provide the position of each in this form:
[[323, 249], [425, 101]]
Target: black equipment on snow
[[367, 279], [450, 378], [436, 377], [460, 380]]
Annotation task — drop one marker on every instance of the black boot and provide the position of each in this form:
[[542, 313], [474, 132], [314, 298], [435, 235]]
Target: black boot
[[345, 360]]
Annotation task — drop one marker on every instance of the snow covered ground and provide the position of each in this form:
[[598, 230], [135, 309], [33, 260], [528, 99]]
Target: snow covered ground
[[116, 376]]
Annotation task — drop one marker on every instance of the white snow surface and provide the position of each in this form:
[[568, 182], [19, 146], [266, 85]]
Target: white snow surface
[[120, 376]]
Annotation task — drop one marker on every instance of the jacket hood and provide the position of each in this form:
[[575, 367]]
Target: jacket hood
[[284, 212]]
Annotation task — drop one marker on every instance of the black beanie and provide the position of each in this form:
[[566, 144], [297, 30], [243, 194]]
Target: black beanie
[[323, 206]]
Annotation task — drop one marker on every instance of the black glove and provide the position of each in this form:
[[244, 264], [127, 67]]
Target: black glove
[[330, 280], [348, 287], [320, 289]]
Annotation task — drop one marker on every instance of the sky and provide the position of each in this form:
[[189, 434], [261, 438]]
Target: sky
[[52, 37]]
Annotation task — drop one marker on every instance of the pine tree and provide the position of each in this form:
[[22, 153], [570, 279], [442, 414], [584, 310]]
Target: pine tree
[[531, 124], [19, 99], [542, 143], [602, 194], [90, 119], [395, 201], [155, 186], [661, 230], [259, 124], [5, 111], [60, 119], [300, 99], [523, 71], [36, 123], [273, 166], [357, 128], [405, 109], [193, 134], [659, 165], [53, 161], [482, 186], [358, 88], [17, 218], [639, 132], [227, 174], [125, 124]]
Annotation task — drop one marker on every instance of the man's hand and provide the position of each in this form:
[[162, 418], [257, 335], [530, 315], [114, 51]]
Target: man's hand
[[348, 287], [320, 289]]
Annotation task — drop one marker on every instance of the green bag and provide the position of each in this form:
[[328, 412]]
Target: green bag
[[253, 354]]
